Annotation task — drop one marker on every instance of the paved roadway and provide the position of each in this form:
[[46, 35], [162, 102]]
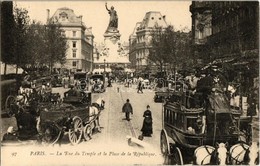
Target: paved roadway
[[112, 140], [114, 130]]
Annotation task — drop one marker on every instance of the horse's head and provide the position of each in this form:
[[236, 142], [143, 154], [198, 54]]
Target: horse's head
[[219, 156], [253, 154]]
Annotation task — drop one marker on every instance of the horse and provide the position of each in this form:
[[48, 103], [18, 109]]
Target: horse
[[253, 154], [244, 154], [237, 153], [208, 155]]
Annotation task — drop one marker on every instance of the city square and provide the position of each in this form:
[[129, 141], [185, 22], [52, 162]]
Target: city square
[[93, 83]]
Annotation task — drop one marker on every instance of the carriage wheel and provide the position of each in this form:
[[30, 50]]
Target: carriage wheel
[[10, 100], [50, 133], [165, 146], [75, 132], [87, 132], [176, 157]]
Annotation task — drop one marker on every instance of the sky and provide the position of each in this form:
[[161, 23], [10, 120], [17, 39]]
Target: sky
[[129, 13]]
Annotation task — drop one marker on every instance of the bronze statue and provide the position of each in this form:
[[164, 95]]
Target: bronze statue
[[113, 21]]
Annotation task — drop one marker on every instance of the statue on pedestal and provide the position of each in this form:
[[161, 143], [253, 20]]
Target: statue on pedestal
[[113, 21]]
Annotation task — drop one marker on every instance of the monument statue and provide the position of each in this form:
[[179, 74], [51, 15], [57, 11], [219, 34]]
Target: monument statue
[[113, 21]]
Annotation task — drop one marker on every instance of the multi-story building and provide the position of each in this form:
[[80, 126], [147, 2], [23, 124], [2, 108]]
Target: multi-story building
[[233, 41], [235, 29], [79, 39], [201, 27], [139, 39], [225, 29]]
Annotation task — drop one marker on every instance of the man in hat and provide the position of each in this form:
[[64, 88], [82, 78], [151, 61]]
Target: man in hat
[[127, 109]]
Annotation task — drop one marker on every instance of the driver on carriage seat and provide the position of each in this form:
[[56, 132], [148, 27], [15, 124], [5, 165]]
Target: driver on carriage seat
[[71, 92]]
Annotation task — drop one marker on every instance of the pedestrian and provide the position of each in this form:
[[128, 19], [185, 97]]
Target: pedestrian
[[140, 87], [147, 128], [127, 109]]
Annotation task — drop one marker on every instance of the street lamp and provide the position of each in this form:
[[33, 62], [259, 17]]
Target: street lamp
[[104, 65]]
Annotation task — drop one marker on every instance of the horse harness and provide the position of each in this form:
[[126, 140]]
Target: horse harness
[[237, 156]]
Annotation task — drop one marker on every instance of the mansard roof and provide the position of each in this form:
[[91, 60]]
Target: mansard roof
[[153, 18], [67, 17], [133, 35]]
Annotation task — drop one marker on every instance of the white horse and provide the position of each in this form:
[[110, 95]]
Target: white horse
[[237, 153], [208, 155], [253, 154], [244, 154]]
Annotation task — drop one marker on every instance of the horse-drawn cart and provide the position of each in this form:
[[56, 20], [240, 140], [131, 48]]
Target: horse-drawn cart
[[72, 117], [50, 121], [187, 130], [56, 121]]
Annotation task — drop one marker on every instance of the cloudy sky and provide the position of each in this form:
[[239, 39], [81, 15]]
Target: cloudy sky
[[96, 16]]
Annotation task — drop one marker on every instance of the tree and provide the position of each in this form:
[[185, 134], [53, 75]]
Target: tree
[[157, 52], [36, 45], [170, 47], [56, 45], [22, 20], [7, 33]]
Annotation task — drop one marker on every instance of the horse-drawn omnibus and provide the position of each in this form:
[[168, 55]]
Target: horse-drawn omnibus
[[187, 126]]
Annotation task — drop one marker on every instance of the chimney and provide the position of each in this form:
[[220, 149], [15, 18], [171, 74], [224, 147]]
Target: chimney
[[164, 17], [80, 18], [48, 15]]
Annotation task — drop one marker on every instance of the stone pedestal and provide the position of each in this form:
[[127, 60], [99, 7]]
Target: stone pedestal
[[112, 35]]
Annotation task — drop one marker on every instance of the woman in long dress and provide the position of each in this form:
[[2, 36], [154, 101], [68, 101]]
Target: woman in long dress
[[147, 128]]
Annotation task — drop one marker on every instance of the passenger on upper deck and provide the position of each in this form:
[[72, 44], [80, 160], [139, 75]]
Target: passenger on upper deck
[[220, 82], [204, 87]]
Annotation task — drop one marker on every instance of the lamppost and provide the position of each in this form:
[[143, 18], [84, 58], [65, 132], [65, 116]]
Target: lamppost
[[104, 66]]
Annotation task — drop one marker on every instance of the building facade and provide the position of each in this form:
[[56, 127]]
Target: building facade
[[233, 41], [225, 29], [79, 39], [140, 38], [201, 28]]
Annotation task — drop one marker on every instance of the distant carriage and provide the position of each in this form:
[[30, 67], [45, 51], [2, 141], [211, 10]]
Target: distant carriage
[[98, 82], [187, 127]]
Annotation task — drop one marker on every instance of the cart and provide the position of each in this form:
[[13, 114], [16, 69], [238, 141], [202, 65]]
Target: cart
[[186, 128], [72, 117]]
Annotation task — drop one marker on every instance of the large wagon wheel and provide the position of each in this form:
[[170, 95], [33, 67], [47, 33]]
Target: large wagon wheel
[[75, 132], [172, 154], [165, 146], [10, 100], [50, 133], [87, 132]]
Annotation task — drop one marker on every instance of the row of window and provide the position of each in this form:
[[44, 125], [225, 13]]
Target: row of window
[[74, 33]]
